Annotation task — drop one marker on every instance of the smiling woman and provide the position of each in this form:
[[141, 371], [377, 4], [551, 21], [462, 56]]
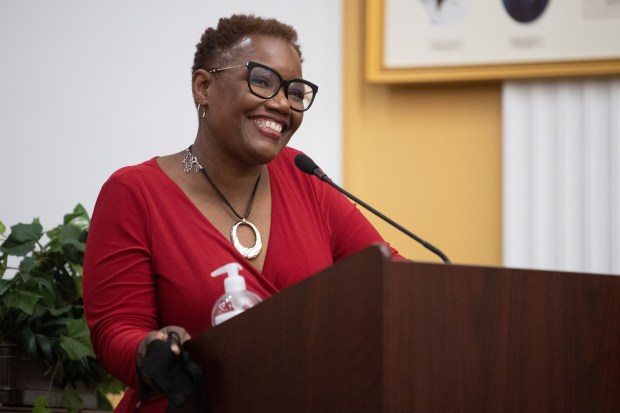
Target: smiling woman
[[160, 228]]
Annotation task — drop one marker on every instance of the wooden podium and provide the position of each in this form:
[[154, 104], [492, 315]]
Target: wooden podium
[[372, 335]]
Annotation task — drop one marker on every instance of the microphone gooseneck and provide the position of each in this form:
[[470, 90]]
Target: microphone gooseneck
[[307, 165]]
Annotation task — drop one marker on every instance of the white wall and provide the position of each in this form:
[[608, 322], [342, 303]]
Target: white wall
[[89, 86]]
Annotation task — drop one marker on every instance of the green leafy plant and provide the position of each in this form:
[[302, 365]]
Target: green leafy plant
[[41, 307]]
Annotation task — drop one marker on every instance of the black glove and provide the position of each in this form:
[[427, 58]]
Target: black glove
[[177, 376]]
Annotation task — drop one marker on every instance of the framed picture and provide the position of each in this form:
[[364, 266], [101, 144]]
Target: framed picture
[[411, 41]]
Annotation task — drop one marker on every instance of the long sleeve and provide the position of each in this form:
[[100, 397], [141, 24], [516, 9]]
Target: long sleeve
[[119, 287]]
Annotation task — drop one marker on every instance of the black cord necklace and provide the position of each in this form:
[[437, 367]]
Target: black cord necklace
[[191, 162]]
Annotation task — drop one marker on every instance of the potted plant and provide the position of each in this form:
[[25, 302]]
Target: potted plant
[[42, 315]]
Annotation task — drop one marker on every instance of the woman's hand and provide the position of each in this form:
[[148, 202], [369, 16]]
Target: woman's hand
[[175, 335]]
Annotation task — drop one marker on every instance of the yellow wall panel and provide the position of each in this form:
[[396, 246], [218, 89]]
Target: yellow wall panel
[[427, 156]]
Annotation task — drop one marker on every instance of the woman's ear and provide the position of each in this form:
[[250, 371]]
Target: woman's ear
[[201, 80]]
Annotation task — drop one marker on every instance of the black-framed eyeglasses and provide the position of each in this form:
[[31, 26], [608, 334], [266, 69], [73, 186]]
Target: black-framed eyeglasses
[[265, 83]]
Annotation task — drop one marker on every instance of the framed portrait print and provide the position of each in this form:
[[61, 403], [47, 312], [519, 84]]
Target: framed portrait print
[[464, 40]]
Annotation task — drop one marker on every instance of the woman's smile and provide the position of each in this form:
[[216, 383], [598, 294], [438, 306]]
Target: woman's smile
[[269, 127]]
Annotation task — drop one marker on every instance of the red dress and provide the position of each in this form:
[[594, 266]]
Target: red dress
[[150, 253]]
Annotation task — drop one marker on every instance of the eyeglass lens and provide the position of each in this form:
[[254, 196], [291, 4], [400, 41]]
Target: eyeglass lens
[[265, 83]]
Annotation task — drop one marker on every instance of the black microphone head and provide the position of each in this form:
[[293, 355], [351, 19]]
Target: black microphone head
[[307, 165]]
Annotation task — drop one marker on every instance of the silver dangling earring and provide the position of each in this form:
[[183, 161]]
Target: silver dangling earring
[[204, 111]]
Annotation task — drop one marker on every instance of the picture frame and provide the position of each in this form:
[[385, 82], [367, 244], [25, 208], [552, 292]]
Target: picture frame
[[407, 41]]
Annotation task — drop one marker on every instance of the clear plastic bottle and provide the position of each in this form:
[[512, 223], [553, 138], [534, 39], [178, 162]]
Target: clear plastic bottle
[[236, 299]]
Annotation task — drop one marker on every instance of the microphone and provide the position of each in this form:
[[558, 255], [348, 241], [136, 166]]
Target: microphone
[[307, 165]]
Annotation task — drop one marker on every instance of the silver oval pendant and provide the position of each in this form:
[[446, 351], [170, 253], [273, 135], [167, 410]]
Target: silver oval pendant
[[251, 252]]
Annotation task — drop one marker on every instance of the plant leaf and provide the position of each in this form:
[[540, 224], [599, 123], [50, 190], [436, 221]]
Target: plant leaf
[[70, 235], [22, 239], [45, 344], [79, 214], [40, 405], [103, 403], [54, 238], [4, 262], [77, 341], [27, 264], [110, 384], [22, 300], [71, 399], [44, 284], [4, 286], [60, 310], [2, 227], [29, 342]]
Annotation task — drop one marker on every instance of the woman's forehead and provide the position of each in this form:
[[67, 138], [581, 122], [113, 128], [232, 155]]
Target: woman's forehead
[[272, 51]]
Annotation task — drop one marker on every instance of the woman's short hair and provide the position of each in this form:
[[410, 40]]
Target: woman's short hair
[[216, 42]]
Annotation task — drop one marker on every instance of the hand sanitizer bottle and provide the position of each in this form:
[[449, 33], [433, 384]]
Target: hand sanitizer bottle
[[236, 299]]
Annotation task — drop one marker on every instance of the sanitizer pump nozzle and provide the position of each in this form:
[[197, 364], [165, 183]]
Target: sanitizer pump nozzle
[[236, 298]]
